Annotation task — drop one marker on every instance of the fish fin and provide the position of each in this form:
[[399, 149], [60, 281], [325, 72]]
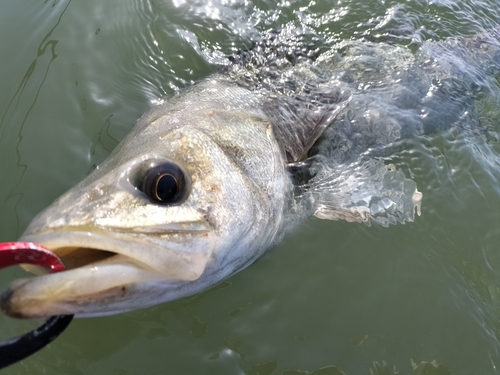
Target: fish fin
[[298, 121], [370, 192]]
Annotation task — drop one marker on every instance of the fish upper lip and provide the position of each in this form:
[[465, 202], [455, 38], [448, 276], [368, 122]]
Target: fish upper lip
[[192, 226], [94, 236], [181, 261], [107, 240]]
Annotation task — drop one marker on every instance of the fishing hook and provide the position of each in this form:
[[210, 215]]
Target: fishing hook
[[18, 348]]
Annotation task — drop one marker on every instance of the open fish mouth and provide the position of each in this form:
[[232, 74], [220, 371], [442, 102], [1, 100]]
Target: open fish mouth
[[105, 274]]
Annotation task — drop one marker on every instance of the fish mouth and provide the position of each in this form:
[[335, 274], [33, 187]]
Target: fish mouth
[[106, 272], [73, 257]]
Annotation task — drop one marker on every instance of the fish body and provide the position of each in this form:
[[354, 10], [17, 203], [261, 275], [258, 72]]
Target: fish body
[[211, 179]]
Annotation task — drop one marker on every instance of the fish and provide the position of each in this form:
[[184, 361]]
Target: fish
[[211, 179]]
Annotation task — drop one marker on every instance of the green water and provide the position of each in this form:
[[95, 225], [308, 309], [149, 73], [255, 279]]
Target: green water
[[75, 76]]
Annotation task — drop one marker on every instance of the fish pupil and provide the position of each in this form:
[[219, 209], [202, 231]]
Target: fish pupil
[[163, 183], [166, 187]]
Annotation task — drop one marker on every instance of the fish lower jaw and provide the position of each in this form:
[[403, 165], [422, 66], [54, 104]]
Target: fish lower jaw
[[100, 288], [15, 303]]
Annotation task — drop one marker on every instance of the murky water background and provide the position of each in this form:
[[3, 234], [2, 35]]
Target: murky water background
[[75, 76]]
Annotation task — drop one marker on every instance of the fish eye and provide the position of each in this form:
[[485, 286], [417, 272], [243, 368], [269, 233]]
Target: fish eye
[[164, 183]]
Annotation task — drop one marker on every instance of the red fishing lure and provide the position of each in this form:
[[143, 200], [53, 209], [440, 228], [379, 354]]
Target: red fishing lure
[[13, 350]]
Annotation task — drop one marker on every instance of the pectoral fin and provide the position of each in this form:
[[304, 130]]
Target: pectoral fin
[[299, 120]]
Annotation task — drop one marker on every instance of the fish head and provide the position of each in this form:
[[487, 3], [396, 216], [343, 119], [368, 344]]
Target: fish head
[[168, 214]]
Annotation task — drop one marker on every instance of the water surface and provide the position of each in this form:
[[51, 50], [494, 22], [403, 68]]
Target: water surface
[[335, 296]]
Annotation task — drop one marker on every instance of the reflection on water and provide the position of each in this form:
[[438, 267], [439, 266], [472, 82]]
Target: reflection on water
[[335, 297]]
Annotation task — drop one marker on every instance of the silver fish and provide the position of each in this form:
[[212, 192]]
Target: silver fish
[[211, 179]]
